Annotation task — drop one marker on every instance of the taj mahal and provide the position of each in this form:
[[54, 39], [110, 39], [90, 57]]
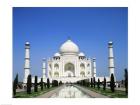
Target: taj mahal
[[69, 64]]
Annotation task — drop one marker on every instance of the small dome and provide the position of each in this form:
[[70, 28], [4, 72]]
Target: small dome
[[110, 42], [56, 54], [94, 59], [69, 47], [44, 59], [81, 54], [27, 43]]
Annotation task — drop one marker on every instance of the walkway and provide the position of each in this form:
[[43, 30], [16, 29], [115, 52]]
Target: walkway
[[91, 93], [86, 91], [50, 93]]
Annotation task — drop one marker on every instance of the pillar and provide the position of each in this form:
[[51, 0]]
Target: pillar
[[44, 70], [111, 58], [27, 62], [94, 67]]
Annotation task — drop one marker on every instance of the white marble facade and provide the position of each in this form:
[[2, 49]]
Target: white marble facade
[[69, 64]]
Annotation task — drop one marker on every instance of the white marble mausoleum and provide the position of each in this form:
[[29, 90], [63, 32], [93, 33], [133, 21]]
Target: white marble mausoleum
[[69, 64]]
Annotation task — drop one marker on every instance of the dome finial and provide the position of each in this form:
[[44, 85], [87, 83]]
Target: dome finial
[[69, 38]]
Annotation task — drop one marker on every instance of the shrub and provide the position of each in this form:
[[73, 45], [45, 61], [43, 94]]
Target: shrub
[[36, 84], [126, 81], [98, 84], [60, 83], [83, 82], [15, 85], [112, 83], [91, 82], [87, 83], [54, 83], [41, 83], [48, 83], [94, 82], [45, 85], [104, 84], [29, 84]]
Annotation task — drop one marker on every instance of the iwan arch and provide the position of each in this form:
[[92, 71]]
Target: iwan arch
[[68, 64]]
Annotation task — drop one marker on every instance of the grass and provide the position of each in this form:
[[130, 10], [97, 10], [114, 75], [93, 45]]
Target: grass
[[33, 94], [109, 93]]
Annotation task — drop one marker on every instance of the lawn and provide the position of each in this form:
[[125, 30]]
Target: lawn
[[109, 93], [33, 94]]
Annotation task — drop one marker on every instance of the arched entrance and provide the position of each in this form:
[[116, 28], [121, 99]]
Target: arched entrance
[[82, 73], [69, 70], [56, 74]]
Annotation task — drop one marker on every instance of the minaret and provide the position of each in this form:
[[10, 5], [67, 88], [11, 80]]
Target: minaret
[[27, 62], [44, 70], [94, 67], [111, 58]]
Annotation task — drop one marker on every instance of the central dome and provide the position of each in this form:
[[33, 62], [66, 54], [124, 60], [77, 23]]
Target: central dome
[[69, 47]]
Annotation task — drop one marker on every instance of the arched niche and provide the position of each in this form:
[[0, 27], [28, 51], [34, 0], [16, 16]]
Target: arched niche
[[82, 66], [56, 74], [69, 70], [56, 66], [82, 74]]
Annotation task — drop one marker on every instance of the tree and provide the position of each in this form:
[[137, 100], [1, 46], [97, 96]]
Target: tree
[[41, 83], [98, 84], [54, 83], [122, 83], [29, 84], [48, 83], [84, 82], [126, 81], [87, 83], [60, 83], [36, 84], [81, 82], [104, 84], [45, 84], [91, 82], [78, 82], [15, 85], [94, 82], [112, 83]]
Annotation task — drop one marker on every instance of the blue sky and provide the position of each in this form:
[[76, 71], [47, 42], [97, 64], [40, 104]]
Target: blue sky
[[90, 28]]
